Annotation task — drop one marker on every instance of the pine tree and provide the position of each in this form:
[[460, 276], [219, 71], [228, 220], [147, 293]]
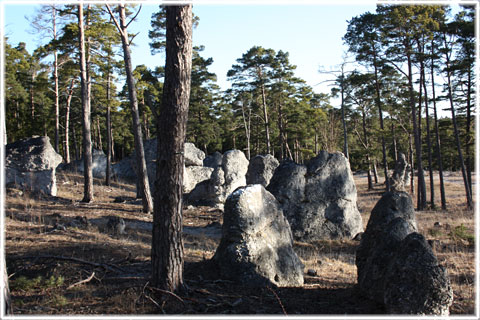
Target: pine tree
[[142, 174], [86, 118], [167, 243]]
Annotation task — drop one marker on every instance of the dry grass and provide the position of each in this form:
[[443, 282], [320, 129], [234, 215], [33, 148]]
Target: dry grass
[[30, 234]]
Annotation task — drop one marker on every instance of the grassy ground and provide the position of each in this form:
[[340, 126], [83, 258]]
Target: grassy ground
[[47, 265]]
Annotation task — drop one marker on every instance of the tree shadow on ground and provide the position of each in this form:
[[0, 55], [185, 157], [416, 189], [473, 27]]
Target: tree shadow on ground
[[219, 296]]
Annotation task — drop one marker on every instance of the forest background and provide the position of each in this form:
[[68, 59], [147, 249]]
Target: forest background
[[403, 80]]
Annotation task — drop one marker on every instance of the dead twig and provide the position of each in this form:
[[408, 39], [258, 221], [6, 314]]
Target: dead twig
[[151, 299], [279, 301], [169, 293], [124, 278], [82, 281]]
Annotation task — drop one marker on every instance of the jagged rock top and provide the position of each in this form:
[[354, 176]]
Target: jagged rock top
[[32, 154]]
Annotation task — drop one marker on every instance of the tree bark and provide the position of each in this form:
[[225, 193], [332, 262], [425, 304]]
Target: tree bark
[[455, 128], [421, 197], [412, 165], [67, 121], [109, 132], [394, 141], [75, 144], [367, 153], [142, 175], [437, 138], [378, 102], [418, 147], [86, 130], [167, 242], [6, 290], [247, 125], [468, 140], [429, 143], [265, 118], [55, 79], [344, 122]]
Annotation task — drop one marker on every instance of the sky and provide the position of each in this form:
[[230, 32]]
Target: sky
[[311, 32]]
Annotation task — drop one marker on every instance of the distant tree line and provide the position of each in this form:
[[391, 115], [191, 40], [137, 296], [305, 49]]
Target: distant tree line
[[408, 62]]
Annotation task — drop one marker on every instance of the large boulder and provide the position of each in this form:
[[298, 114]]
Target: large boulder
[[416, 282], [223, 181], [396, 266], [126, 169], [261, 169], [391, 220], [214, 160], [31, 163], [193, 155], [256, 248], [319, 199], [235, 167], [193, 175], [401, 174], [99, 164]]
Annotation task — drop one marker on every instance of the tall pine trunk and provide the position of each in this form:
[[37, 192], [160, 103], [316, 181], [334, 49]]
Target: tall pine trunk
[[344, 122], [247, 125], [75, 144], [86, 130], [455, 127], [265, 118], [469, 141], [7, 301], [429, 143], [367, 153], [109, 132], [421, 203], [55, 80], [141, 165], [67, 120], [378, 103], [443, 199], [167, 242]]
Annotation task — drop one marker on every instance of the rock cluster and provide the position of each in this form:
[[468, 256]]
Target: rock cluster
[[31, 163], [223, 181], [395, 264], [194, 171], [261, 169], [257, 245], [99, 165], [319, 199]]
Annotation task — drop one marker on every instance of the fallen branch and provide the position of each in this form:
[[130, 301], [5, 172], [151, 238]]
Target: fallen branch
[[108, 267], [279, 301], [124, 278], [169, 293], [151, 299], [82, 281]]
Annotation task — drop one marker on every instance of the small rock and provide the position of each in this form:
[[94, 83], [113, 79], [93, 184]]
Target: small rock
[[437, 224], [237, 302], [116, 225], [312, 272], [59, 226]]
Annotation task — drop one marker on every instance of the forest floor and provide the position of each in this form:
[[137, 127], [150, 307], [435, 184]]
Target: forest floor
[[84, 270]]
